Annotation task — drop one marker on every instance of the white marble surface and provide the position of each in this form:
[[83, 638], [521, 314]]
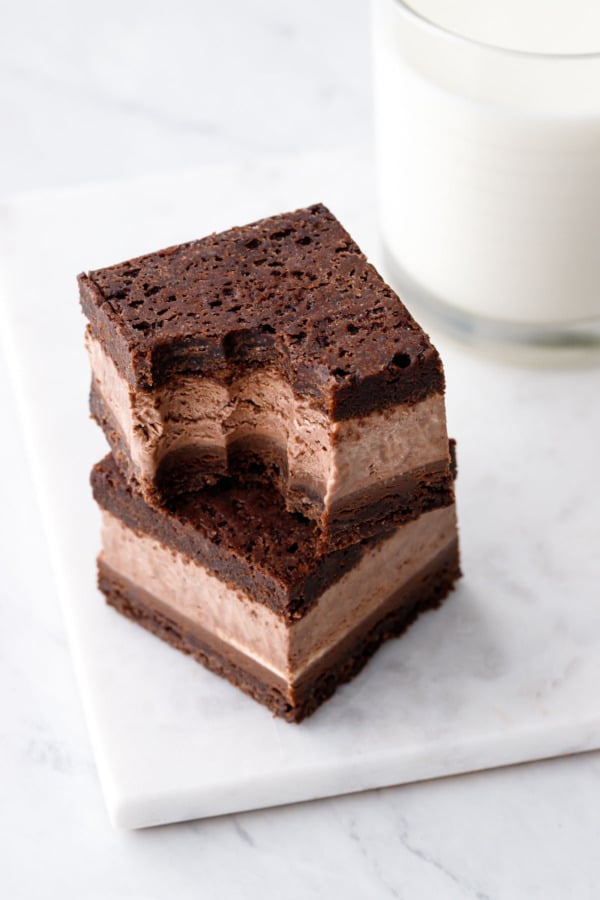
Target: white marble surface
[[70, 114], [502, 674]]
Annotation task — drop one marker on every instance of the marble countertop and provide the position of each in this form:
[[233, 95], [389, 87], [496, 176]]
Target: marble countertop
[[89, 94]]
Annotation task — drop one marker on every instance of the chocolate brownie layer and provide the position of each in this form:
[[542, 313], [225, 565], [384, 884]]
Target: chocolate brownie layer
[[246, 536], [275, 343], [293, 292], [293, 702]]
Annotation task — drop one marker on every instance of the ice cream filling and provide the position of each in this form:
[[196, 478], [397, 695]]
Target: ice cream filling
[[288, 650], [335, 458]]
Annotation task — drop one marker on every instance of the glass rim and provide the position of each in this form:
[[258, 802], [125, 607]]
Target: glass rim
[[446, 33]]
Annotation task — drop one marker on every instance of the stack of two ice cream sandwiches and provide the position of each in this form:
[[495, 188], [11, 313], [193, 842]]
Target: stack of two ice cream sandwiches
[[279, 496]]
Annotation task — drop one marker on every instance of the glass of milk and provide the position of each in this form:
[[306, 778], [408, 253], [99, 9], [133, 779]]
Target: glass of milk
[[488, 158]]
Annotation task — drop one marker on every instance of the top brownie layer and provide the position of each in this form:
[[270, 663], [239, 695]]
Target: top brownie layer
[[292, 292]]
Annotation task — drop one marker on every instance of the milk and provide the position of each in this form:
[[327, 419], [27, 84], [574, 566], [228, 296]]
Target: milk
[[488, 158]]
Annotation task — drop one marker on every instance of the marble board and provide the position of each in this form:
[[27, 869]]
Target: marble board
[[507, 671]]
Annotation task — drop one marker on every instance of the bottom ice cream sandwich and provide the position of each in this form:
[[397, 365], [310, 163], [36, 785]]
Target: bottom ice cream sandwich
[[232, 578]]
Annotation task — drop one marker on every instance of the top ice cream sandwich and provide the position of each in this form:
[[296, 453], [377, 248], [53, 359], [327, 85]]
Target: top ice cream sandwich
[[271, 353]]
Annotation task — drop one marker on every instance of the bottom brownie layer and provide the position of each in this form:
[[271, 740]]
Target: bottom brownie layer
[[426, 590]]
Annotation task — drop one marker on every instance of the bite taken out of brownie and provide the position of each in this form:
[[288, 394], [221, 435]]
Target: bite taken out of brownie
[[274, 353]]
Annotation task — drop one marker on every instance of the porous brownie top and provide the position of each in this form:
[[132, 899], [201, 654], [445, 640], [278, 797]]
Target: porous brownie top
[[293, 291]]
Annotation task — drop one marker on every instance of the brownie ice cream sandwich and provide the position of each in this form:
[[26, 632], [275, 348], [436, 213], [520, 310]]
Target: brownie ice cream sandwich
[[231, 577], [275, 354]]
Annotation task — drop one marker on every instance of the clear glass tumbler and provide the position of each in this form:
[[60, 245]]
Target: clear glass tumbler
[[488, 164]]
